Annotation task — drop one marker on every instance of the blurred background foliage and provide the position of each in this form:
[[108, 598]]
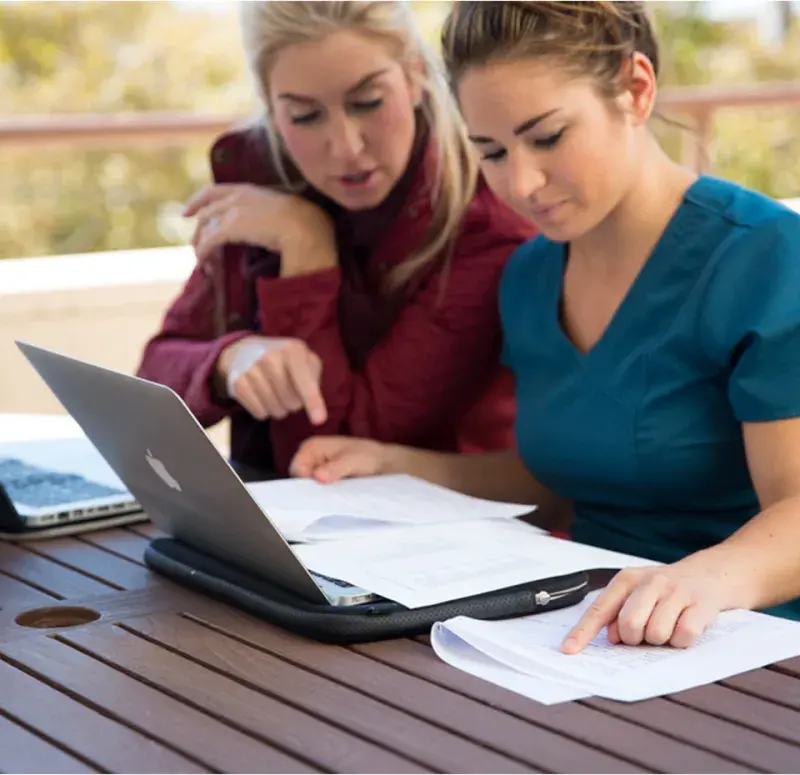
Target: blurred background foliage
[[119, 57]]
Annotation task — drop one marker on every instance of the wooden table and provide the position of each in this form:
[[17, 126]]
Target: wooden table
[[168, 681]]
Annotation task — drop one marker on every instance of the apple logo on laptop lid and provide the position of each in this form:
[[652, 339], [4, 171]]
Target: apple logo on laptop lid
[[162, 472]]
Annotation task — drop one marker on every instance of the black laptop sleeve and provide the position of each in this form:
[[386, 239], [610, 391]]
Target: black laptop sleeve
[[367, 622]]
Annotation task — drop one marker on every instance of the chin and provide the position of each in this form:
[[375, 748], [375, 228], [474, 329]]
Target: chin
[[359, 200], [562, 232], [566, 230]]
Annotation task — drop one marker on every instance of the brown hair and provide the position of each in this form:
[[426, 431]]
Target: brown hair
[[270, 26], [593, 39]]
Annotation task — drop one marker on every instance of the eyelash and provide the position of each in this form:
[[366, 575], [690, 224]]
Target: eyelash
[[544, 143], [358, 107]]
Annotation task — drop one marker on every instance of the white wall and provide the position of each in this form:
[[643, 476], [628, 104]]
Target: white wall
[[99, 307]]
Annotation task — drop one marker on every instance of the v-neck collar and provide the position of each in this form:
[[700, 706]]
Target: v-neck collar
[[656, 266]]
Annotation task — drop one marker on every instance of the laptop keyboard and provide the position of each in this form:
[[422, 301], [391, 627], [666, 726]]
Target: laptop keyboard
[[336, 582], [40, 487]]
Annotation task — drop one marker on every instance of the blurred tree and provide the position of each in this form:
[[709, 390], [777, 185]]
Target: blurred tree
[[755, 146], [111, 57]]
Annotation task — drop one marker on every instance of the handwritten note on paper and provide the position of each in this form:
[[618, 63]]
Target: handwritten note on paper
[[305, 510], [738, 642], [430, 564]]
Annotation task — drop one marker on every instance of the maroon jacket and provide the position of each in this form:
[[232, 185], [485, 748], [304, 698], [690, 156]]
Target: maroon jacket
[[422, 369]]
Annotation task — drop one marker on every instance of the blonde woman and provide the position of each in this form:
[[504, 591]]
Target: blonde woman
[[349, 253]]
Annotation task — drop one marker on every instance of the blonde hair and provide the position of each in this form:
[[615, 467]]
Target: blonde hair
[[593, 39], [270, 26]]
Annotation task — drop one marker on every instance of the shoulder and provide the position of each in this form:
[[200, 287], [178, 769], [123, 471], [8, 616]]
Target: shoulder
[[739, 205], [753, 280], [243, 155], [741, 220], [489, 219], [488, 235], [526, 265], [759, 244]]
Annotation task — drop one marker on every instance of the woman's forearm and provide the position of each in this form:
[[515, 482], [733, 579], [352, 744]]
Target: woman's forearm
[[761, 560]]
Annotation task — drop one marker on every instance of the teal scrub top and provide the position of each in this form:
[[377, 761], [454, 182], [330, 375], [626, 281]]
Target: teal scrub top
[[643, 433]]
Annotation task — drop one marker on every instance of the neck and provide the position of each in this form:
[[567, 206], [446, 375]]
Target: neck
[[629, 233]]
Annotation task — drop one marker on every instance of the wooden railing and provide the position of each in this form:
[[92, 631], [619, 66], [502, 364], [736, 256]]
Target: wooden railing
[[699, 104], [696, 106]]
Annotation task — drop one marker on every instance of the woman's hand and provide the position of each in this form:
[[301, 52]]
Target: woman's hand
[[273, 378], [282, 223], [329, 458], [671, 604]]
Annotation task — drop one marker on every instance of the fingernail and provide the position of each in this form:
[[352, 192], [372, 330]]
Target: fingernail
[[569, 645], [318, 417]]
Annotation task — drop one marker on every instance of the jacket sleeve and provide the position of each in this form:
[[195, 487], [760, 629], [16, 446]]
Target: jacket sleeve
[[441, 352], [183, 355]]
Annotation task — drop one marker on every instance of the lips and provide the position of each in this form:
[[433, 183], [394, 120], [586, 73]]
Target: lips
[[544, 211], [356, 178]]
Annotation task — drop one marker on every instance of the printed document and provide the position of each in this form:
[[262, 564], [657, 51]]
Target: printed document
[[524, 655], [424, 565], [305, 510]]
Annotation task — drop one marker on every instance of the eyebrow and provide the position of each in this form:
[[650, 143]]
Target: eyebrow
[[363, 83], [521, 129]]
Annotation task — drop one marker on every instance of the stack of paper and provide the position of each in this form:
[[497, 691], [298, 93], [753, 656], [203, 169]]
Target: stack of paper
[[419, 544], [524, 655], [304, 510], [425, 565]]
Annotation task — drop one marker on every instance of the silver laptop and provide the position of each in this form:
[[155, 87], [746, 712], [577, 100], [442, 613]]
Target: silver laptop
[[60, 482], [148, 436]]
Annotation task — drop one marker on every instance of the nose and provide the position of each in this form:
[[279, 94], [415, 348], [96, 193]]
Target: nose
[[346, 138], [526, 175]]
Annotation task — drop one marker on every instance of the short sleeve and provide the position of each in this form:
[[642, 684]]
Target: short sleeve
[[751, 319]]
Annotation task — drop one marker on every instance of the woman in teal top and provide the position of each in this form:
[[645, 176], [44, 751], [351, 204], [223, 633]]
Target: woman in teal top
[[653, 328], [643, 432]]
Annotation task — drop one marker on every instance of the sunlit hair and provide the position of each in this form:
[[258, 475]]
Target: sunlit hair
[[269, 27], [588, 39]]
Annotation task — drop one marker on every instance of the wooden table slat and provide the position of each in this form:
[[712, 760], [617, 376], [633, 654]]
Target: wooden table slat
[[433, 747], [148, 530], [47, 575], [142, 707], [120, 541], [291, 730], [652, 750], [22, 751], [93, 561], [752, 712], [549, 750], [768, 685], [751, 748], [14, 593], [110, 607], [788, 667], [106, 744]]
